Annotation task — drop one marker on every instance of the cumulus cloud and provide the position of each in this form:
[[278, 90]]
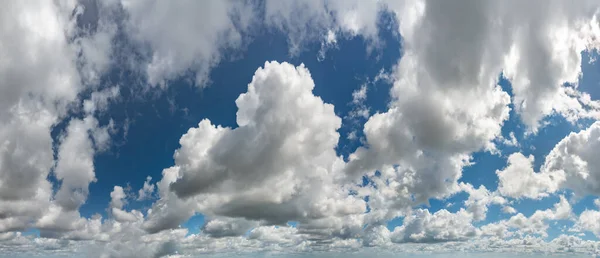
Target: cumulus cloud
[[40, 81], [423, 141], [575, 157], [147, 190], [306, 21], [278, 165], [424, 227], [569, 165], [446, 104], [204, 29], [471, 47], [230, 25], [96, 29], [225, 227], [509, 210], [479, 200], [588, 221], [519, 179], [75, 164], [117, 197], [537, 223]]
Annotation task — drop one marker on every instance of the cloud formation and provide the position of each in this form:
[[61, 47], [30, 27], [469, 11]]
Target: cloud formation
[[275, 181]]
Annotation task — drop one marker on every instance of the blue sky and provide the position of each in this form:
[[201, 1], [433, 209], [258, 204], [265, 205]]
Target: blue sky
[[308, 129]]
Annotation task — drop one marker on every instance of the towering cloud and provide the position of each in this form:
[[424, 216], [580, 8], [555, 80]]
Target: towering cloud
[[278, 165]]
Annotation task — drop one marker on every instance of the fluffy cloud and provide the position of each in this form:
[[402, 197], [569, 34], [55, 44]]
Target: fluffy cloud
[[99, 100], [424, 227], [117, 197], [75, 171], [423, 141], [467, 48], [509, 210], [537, 222], [35, 42], [147, 190], [169, 211], [75, 164], [519, 179], [96, 29], [588, 221], [230, 25], [278, 165], [305, 21], [575, 157], [203, 30], [39, 80], [446, 103], [49, 58], [479, 200], [224, 227], [570, 165], [25, 161]]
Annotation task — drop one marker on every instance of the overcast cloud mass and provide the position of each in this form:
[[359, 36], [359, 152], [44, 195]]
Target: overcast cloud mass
[[313, 128]]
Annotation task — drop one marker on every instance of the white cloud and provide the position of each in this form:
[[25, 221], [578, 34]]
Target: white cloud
[[278, 165], [343, 227], [276, 235], [570, 165], [39, 81], [429, 132], [441, 226], [329, 41], [446, 103], [589, 220], [511, 140], [519, 179], [575, 156], [479, 200], [25, 161], [37, 58], [75, 164], [306, 21], [96, 29], [117, 197], [226, 227], [99, 100], [537, 222], [147, 190], [185, 36], [359, 109], [509, 210], [467, 43]]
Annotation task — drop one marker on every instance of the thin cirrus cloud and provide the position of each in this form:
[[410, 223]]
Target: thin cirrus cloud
[[275, 183]]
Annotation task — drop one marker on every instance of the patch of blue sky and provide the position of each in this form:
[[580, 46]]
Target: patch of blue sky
[[395, 222], [31, 232], [194, 224], [590, 68]]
